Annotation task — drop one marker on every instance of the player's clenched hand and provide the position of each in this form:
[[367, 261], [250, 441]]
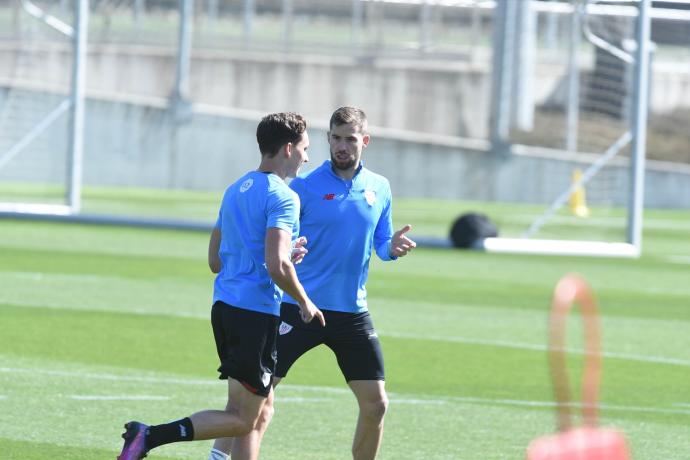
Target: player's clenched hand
[[308, 312], [298, 250], [401, 244]]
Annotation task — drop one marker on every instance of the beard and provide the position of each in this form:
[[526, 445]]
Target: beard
[[343, 165]]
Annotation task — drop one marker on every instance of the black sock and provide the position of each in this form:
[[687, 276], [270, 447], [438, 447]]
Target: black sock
[[179, 430]]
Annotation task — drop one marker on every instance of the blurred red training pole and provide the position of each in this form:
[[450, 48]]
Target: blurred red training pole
[[588, 441]]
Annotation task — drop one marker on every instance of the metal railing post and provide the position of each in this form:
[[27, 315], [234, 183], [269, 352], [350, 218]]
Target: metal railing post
[[76, 135], [639, 125]]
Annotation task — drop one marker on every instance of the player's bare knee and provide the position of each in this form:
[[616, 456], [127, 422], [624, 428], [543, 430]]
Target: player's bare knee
[[375, 410], [265, 416], [246, 426]]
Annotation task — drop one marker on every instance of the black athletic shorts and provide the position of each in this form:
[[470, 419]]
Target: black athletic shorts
[[351, 336], [246, 345]]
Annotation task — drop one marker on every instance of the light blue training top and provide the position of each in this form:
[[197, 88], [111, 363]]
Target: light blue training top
[[343, 222], [256, 202]]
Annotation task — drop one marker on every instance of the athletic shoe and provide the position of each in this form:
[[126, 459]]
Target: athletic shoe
[[135, 442]]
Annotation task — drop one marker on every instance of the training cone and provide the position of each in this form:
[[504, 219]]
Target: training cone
[[578, 199]]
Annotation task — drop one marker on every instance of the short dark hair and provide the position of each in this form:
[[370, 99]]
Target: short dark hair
[[345, 115], [277, 129]]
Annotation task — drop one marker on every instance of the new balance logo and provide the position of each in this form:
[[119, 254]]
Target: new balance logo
[[183, 431], [329, 196]]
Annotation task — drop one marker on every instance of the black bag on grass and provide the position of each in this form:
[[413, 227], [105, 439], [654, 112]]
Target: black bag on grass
[[470, 229]]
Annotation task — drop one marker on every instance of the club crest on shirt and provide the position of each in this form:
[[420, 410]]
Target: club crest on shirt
[[246, 185], [284, 328], [370, 196]]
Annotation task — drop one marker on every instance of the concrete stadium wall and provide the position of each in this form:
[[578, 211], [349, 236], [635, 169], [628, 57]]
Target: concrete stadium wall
[[438, 97], [145, 145], [434, 97]]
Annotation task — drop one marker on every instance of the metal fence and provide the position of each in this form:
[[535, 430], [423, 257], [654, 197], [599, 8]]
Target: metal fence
[[558, 74], [426, 33], [450, 28]]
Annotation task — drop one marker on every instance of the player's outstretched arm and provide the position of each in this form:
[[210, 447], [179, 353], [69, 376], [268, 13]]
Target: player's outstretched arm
[[213, 247], [281, 269], [401, 244]]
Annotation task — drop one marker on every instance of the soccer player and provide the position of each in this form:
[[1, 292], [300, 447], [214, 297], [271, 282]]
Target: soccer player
[[250, 249], [345, 216]]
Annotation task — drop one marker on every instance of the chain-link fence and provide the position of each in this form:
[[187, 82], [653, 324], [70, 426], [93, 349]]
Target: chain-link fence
[[423, 70]]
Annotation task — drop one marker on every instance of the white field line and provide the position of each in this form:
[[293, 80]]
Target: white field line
[[682, 260], [547, 404], [526, 346], [605, 221], [118, 398], [469, 341], [110, 377], [394, 397], [304, 399], [144, 311], [41, 276], [413, 402], [455, 339]]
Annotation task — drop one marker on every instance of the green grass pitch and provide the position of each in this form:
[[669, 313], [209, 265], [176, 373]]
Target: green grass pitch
[[99, 325]]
